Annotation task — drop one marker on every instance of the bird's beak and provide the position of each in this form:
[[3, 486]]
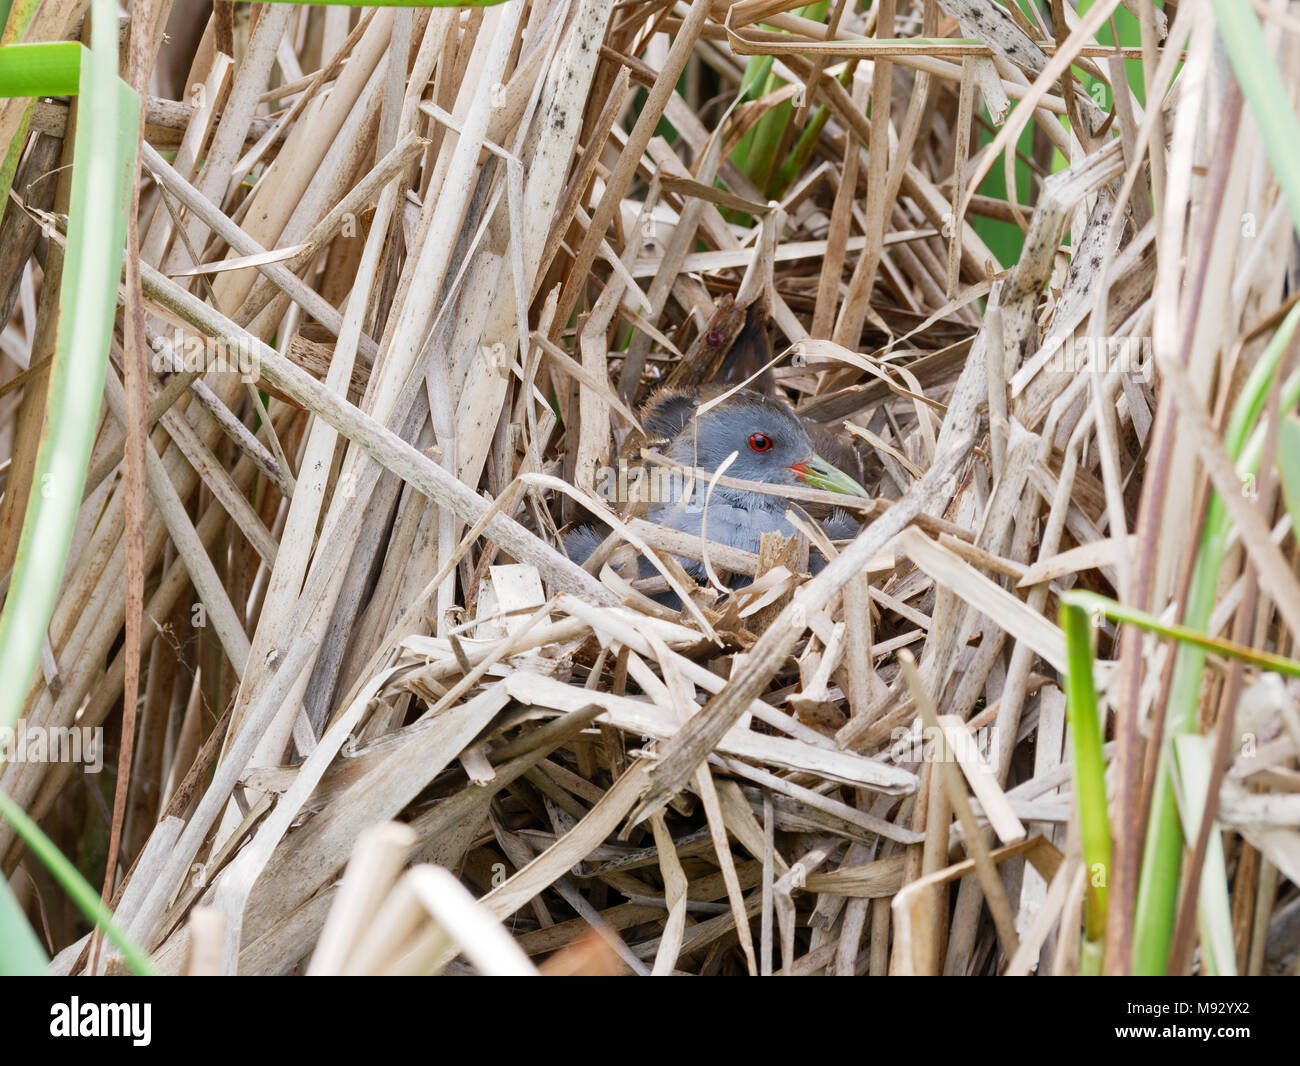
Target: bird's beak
[[820, 474]]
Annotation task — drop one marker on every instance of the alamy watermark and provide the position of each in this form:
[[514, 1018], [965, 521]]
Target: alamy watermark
[[131, 1021], [53, 744], [920, 745], [629, 482], [198, 354], [1103, 355]]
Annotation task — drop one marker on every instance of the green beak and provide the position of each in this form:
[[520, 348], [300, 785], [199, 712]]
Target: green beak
[[820, 474]]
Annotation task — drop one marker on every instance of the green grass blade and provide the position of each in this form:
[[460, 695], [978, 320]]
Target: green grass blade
[[755, 77], [9, 164], [104, 162], [1118, 612], [1261, 84], [76, 886], [40, 69], [1192, 764], [1157, 895], [20, 15], [1254, 394], [1288, 466], [21, 954], [1089, 775]]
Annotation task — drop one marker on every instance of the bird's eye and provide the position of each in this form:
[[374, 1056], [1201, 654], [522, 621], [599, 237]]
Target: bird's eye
[[760, 442]]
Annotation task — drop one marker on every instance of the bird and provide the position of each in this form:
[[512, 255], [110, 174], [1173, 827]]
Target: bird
[[701, 427]]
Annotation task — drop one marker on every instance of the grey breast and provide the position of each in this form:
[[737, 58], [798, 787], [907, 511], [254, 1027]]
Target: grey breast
[[738, 519]]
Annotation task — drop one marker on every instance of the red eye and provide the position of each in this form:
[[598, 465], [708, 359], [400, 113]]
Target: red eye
[[760, 442]]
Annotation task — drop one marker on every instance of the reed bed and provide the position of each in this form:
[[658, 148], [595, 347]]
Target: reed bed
[[360, 712]]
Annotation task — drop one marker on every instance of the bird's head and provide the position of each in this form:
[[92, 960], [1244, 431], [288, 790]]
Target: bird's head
[[769, 440]]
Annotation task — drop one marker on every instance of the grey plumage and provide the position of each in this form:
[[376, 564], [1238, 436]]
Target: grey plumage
[[771, 446]]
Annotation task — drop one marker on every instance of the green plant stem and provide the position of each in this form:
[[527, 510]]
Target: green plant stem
[[1270, 102], [1118, 612], [104, 151], [1157, 894], [76, 886], [21, 954], [1089, 774], [52, 69]]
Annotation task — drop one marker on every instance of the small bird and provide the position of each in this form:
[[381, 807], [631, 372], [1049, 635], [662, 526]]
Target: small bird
[[701, 427]]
